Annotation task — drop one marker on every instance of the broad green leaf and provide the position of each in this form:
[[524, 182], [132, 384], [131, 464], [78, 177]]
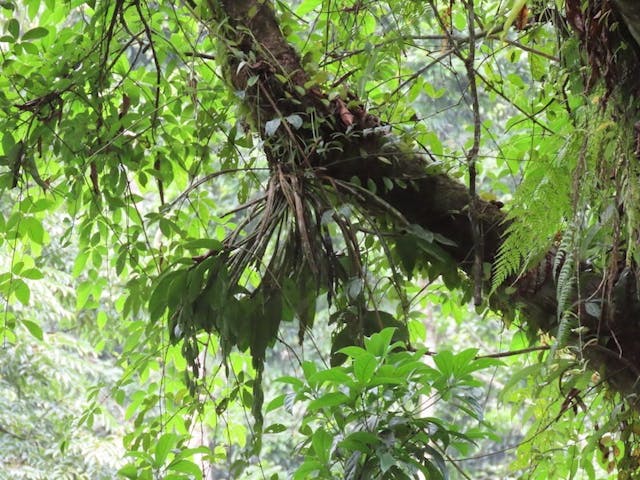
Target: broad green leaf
[[385, 380], [336, 375], [353, 351], [309, 368], [188, 467], [208, 243], [165, 444], [33, 328], [34, 229], [84, 290], [276, 428], [32, 274], [277, 402], [361, 438], [13, 27], [330, 399], [129, 471], [80, 263], [21, 291], [379, 342], [307, 6], [364, 367], [101, 320], [296, 382], [307, 470], [321, 441], [386, 461], [35, 33]]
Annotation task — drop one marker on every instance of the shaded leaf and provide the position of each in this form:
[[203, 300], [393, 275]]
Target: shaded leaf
[[271, 126], [35, 33]]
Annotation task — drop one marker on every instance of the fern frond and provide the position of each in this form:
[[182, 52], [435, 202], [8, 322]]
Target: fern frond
[[567, 323], [565, 283], [541, 208]]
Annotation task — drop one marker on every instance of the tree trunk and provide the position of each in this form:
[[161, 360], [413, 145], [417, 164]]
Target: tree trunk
[[432, 200]]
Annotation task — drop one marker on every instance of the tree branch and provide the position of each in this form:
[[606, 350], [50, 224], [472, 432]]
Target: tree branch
[[432, 200]]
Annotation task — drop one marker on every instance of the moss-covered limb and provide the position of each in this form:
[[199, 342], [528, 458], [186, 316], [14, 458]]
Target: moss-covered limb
[[433, 200], [261, 63]]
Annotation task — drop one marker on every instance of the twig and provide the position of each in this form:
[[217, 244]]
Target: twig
[[511, 353], [472, 155], [206, 56], [523, 351]]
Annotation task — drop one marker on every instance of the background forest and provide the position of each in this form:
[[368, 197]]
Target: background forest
[[319, 239]]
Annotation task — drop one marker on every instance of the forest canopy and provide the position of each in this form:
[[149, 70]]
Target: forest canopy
[[233, 230]]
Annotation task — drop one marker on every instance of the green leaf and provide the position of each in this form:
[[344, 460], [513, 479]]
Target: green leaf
[[437, 461], [321, 441], [79, 263], [386, 461], [8, 142], [307, 470], [421, 232], [379, 342], [296, 382], [381, 380], [129, 470], [330, 399], [35, 33], [21, 291], [353, 351], [13, 27], [186, 466], [445, 362], [407, 251], [32, 274], [101, 319], [275, 403], [336, 375], [364, 367], [84, 290], [34, 229], [275, 428], [166, 227], [160, 295], [360, 438], [206, 243], [371, 186], [520, 375], [33, 328], [307, 6], [165, 444]]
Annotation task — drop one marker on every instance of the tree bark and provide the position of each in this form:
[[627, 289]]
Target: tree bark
[[432, 200]]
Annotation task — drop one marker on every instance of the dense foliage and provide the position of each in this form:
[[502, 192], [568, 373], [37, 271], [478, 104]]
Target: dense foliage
[[242, 239]]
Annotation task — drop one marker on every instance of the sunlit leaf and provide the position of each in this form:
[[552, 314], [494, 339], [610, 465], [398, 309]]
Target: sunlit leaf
[[34, 329]]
